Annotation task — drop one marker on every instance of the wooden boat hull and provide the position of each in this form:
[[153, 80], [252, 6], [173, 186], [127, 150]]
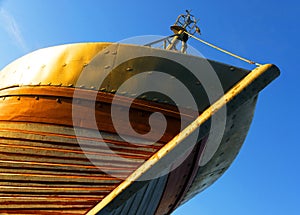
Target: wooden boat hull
[[53, 161]]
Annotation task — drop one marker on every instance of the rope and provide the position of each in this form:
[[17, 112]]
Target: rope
[[222, 50]]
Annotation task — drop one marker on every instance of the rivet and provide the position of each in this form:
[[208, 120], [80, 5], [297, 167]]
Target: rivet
[[123, 93], [232, 68], [58, 100], [39, 83], [114, 52], [155, 99], [70, 85], [103, 89], [143, 97], [198, 82], [49, 83], [64, 65], [113, 91], [92, 87], [37, 98], [85, 64], [3, 98], [81, 86], [60, 84], [149, 73], [128, 69], [107, 67], [133, 94], [18, 98], [106, 51]]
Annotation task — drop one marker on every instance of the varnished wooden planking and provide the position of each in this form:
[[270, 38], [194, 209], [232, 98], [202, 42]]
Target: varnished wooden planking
[[71, 211], [61, 113], [54, 92], [57, 173], [9, 203], [68, 142], [45, 161]]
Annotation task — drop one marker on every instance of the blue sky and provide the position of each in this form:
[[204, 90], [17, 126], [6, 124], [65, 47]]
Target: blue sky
[[264, 179]]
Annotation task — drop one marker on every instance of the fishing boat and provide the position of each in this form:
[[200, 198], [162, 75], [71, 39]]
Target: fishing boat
[[112, 128]]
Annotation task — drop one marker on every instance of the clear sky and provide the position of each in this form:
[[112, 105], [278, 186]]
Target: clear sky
[[265, 177]]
